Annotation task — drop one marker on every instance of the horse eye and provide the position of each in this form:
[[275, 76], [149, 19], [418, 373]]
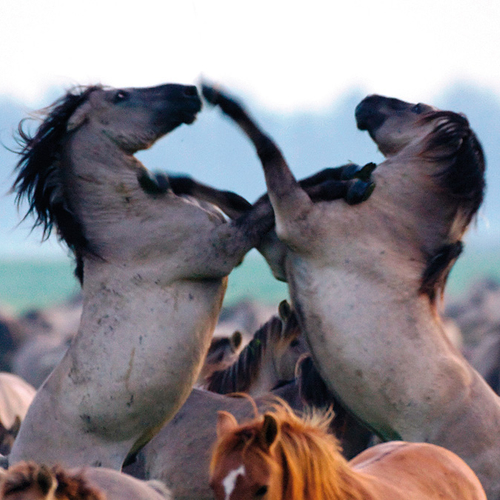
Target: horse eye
[[294, 343], [120, 96], [261, 491], [417, 109]]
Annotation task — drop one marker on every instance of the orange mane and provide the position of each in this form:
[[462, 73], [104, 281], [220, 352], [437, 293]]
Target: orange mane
[[305, 454]]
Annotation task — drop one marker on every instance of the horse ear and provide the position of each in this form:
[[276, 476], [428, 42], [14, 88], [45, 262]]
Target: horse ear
[[284, 310], [270, 430], [236, 340], [79, 116], [225, 423]]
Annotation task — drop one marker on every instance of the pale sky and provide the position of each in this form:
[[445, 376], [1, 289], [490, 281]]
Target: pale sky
[[287, 55]]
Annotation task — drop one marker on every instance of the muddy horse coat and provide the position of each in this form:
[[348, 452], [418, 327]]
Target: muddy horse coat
[[153, 266]]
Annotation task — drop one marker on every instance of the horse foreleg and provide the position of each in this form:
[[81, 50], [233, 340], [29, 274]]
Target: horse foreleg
[[232, 204], [291, 200], [285, 192], [343, 173]]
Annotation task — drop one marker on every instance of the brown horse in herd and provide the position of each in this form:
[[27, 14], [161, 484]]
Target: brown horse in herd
[[283, 457]]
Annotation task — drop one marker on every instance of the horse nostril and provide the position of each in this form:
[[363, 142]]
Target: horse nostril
[[190, 91]]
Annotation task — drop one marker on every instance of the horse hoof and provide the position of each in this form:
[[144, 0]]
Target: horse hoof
[[210, 94], [359, 191], [153, 183], [356, 172]]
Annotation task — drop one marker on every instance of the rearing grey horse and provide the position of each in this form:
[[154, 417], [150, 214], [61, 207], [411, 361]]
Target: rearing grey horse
[[365, 281], [153, 265], [153, 257]]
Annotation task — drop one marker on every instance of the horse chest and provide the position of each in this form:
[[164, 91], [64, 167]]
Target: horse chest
[[353, 327]]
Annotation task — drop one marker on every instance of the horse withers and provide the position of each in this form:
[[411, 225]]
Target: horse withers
[[366, 280]]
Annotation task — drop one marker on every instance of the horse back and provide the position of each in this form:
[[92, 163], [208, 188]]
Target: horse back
[[417, 470]]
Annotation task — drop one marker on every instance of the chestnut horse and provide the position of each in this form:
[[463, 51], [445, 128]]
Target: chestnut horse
[[283, 457], [365, 280], [179, 455]]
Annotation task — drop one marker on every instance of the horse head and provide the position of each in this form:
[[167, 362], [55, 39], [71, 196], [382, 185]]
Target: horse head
[[291, 346], [242, 465], [134, 118], [434, 170], [267, 361], [223, 352], [272, 457]]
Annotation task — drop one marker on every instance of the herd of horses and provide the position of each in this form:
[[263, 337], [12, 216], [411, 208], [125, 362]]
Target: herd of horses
[[365, 250]]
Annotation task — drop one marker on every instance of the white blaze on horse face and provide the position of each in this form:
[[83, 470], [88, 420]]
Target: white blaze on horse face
[[229, 482]]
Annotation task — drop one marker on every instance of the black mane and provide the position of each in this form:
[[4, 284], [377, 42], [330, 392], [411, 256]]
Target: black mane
[[455, 145], [39, 179], [240, 375]]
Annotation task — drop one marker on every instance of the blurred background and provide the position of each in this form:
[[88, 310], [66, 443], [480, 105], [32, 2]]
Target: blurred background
[[301, 68]]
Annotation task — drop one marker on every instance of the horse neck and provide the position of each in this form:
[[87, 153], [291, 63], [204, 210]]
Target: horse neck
[[325, 475], [97, 172], [407, 185], [267, 377]]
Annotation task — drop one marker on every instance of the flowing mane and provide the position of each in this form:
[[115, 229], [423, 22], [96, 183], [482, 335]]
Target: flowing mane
[[283, 456], [40, 180], [240, 375], [327, 475], [454, 144]]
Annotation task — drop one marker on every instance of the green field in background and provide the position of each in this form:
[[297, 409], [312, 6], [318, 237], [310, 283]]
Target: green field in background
[[34, 284]]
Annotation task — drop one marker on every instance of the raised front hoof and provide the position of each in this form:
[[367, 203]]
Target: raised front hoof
[[153, 183], [210, 94], [229, 106], [354, 171], [359, 191]]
